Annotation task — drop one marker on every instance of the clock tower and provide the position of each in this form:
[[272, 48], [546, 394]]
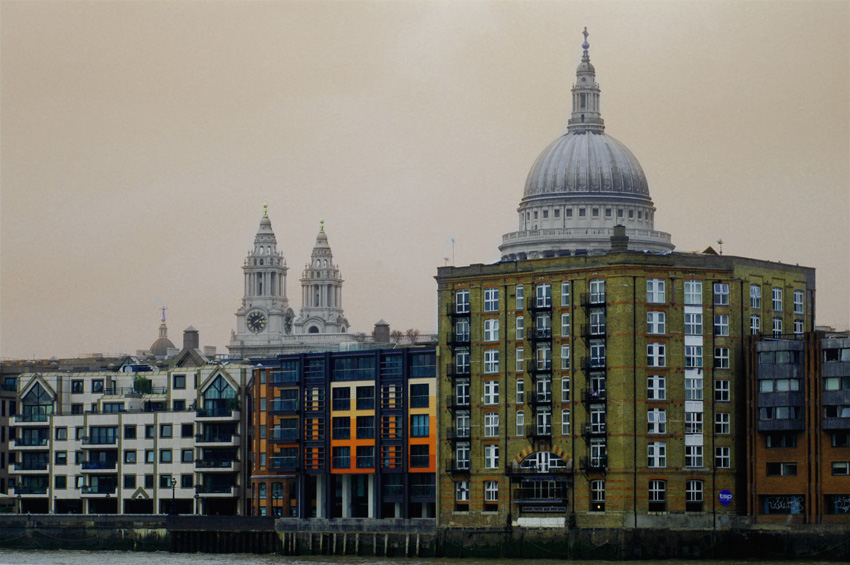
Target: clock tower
[[265, 316]]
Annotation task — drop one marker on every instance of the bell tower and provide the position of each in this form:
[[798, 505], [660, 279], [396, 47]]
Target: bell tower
[[321, 291]]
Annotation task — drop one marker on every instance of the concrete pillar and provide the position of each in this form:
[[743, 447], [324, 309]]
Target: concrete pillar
[[346, 496], [371, 489], [321, 494]]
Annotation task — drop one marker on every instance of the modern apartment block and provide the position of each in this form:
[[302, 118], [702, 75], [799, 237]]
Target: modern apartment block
[[603, 390], [345, 434], [111, 442], [799, 430]]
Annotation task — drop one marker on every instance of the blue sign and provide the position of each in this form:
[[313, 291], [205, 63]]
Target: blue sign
[[725, 497]]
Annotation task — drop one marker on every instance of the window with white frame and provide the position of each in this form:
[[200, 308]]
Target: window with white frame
[[777, 299], [597, 496], [657, 496], [597, 291], [656, 454], [491, 491], [755, 296], [462, 361], [656, 387], [798, 327], [693, 324], [491, 392], [565, 422], [693, 356], [721, 357], [565, 389], [597, 322], [491, 360], [598, 419], [544, 388], [693, 456], [491, 299], [543, 293], [693, 422], [597, 354], [544, 325], [520, 297], [723, 457], [491, 330], [462, 330], [462, 491], [520, 391], [544, 357], [491, 424], [544, 421], [462, 424], [755, 324], [655, 291], [565, 325], [655, 322], [520, 328], [565, 294], [721, 325], [565, 357], [656, 354], [693, 495], [722, 425], [491, 456], [462, 301], [656, 419], [693, 387], [462, 391], [777, 327], [693, 292], [721, 390], [462, 455], [798, 302], [520, 359], [721, 294]]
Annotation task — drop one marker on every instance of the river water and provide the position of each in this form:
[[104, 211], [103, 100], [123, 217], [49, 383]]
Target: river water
[[26, 557]]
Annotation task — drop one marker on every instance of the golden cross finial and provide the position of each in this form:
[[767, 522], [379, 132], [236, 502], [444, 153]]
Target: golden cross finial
[[265, 210], [322, 226]]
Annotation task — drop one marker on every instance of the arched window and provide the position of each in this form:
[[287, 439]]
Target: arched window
[[220, 398], [37, 405]]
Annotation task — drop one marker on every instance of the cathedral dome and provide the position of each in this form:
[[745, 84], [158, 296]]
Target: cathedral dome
[[161, 346], [586, 162]]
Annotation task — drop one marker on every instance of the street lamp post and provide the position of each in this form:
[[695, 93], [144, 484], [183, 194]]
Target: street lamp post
[[173, 485], [197, 496]]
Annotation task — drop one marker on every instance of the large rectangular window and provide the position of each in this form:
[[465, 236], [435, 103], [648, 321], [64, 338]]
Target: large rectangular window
[[693, 324], [544, 295], [419, 395], [721, 325], [462, 301], [657, 454], [656, 421], [656, 388], [693, 496], [798, 302], [491, 329], [755, 296], [491, 361], [520, 297], [656, 354], [655, 291], [721, 294], [657, 496], [777, 299], [655, 322], [723, 457], [491, 424], [693, 456], [565, 294], [341, 398], [491, 392], [693, 292], [491, 299], [597, 291], [420, 425]]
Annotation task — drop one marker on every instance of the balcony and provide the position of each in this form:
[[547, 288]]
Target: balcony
[[31, 490], [284, 435], [592, 300], [595, 430], [218, 440], [595, 364], [97, 490], [540, 399], [529, 495], [217, 465], [455, 309], [539, 366], [455, 434], [283, 406], [31, 467], [99, 466], [537, 432], [515, 469], [455, 403], [460, 466], [593, 331], [594, 464], [285, 378], [228, 414], [284, 464], [830, 424], [30, 419], [540, 334], [453, 370], [590, 396], [30, 443], [454, 339], [89, 442], [217, 491]]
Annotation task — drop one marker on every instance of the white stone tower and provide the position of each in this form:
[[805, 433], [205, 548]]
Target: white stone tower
[[321, 292]]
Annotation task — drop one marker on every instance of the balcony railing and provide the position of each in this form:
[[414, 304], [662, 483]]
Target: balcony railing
[[214, 463], [32, 417], [455, 403], [540, 432], [31, 442], [284, 463], [540, 334], [593, 464], [531, 469], [215, 489], [285, 378], [31, 466], [455, 434], [594, 396], [595, 430], [454, 339], [215, 438], [215, 412], [423, 491], [592, 300], [593, 331], [99, 465], [30, 489], [283, 405], [284, 434], [97, 489], [455, 370], [87, 440], [540, 398], [458, 465], [593, 363]]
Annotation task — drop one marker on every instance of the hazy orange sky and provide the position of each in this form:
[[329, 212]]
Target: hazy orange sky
[[140, 140]]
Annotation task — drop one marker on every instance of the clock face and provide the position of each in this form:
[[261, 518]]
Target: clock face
[[256, 322]]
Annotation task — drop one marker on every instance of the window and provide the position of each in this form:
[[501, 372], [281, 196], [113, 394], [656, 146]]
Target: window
[[721, 390], [520, 328], [130, 481], [150, 432], [777, 327], [62, 434], [693, 324], [187, 430], [419, 396], [693, 496], [777, 299], [597, 322], [693, 422], [462, 491], [544, 295], [656, 354], [723, 457], [655, 291], [693, 356], [462, 330], [693, 456], [657, 454], [597, 291], [462, 302], [165, 430], [341, 457], [60, 482], [420, 456], [341, 397], [655, 323], [180, 405], [841, 468], [565, 389], [565, 325], [366, 396], [491, 330], [565, 294], [491, 361], [520, 423], [491, 491], [76, 387], [520, 391], [491, 424], [781, 469], [721, 357], [656, 388], [597, 496], [341, 427], [420, 425], [565, 422], [657, 496], [721, 294], [520, 297], [491, 392], [693, 292], [721, 423], [97, 385], [76, 409], [565, 357], [597, 354], [148, 481], [462, 361], [180, 381], [187, 455], [165, 456], [60, 458], [491, 299], [798, 302], [798, 327], [491, 456], [780, 440], [186, 481], [755, 296], [721, 325], [656, 419], [693, 388], [755, 324], [130, 457]]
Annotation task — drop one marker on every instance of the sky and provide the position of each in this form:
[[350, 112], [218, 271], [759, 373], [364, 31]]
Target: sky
[[139, 142]]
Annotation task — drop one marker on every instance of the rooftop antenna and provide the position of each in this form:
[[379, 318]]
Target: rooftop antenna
[[453, 250], [720, 243]]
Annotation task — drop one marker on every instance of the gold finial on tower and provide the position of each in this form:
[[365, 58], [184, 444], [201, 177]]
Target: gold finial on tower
[[322, 226], [265, 210]]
